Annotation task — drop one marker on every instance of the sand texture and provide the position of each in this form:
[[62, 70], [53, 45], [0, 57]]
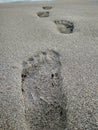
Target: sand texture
[[49, 65]]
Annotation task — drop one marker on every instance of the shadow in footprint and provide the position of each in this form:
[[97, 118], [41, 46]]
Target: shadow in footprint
[[45, 102], [47, 7], [43, 14], [64, 26]]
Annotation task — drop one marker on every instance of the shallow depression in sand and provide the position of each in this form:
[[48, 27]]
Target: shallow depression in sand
[[41, 85], [64, 26], [43, 14]]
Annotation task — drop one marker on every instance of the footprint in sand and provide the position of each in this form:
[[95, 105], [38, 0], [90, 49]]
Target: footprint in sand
[[43, 14], [45, 103], [64, 26], [47, 7]]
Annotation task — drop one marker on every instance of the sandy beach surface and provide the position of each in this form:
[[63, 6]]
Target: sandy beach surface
[[27, 29]]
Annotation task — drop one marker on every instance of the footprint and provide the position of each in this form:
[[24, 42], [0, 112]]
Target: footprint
[[43, 14], [64, 26], [47, 7], [45, 103]]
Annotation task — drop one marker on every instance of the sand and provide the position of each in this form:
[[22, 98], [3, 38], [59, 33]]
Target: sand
[[23, 34]]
